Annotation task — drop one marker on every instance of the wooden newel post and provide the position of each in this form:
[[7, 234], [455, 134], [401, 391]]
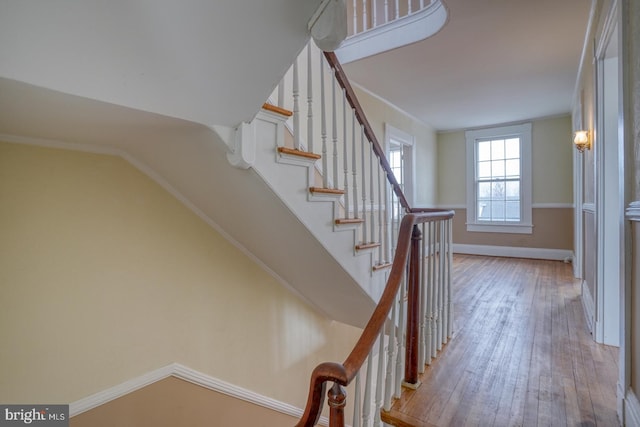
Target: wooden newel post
[[337, 401], [413, 311]]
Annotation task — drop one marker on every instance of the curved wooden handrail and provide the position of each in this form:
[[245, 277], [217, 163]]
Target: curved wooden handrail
[[344, 373], [343, 81]]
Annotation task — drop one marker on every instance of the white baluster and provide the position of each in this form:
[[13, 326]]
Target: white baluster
[[397, 9], [443, 266], [400, 339], [449, 282], [387, 214], [323, 125], [354, 167], [409, 7], [434, 293], [364, 186], [345, 150], [355, 17], [391, 345], [429, 292], [381, 253], [371, 193], [357, 403], [379, 380], [421, 4], [366, 408], [335, 132], [309, 101], [365, 27], [440, 289], [374, 14], [386, 11], [423, 303], [296, 106]]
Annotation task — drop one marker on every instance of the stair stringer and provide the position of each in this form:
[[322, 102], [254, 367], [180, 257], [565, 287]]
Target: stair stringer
[[291, 180]]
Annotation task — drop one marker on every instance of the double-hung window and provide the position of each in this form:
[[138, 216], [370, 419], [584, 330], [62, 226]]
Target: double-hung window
[[499, 179]]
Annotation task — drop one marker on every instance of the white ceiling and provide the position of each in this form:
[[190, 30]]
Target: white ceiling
[[494, 62]]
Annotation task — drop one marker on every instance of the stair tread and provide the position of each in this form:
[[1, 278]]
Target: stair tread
[[300, 153], [382, 266], [369, 245], [342, 221], [277, 110], [326, 190]]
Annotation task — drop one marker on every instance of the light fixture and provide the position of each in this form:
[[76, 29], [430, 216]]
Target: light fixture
[[581, 140]]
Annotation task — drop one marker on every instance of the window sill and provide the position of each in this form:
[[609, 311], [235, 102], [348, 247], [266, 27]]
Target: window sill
[[501, 228]]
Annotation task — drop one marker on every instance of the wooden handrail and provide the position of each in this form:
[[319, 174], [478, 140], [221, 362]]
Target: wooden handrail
[[343, 81], [344, 373]]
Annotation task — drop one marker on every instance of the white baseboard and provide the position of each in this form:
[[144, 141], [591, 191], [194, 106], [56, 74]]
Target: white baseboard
[[187, 374], [514, 252], [631, 410]]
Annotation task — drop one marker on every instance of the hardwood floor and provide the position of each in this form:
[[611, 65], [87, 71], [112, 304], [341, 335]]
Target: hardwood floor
[[521, 354]]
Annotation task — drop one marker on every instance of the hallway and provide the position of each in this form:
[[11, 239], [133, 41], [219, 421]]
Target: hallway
[[521, 354]]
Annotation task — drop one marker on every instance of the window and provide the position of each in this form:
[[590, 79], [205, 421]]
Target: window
[[499, 179], [400, 154]]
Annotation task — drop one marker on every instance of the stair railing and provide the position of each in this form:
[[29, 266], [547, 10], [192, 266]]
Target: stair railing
[[413, 313], [369, 14], [414, 316]]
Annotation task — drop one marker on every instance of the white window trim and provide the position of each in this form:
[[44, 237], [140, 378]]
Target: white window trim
[[406, 139], [525, 226]]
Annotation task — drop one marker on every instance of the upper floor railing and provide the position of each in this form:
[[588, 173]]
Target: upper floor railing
[[369, 14]]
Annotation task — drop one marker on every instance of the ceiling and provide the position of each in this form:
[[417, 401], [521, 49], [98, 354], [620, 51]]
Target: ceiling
[[494, 62]]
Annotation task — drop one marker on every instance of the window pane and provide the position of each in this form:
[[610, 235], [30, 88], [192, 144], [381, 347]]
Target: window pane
[[484, 190], [513, 168], [497, 169], [484, 213], [484, 150], [513, 190], [497, 190], [497, 210], [513, 211], [512, 148], [497, 149], [484, 170]]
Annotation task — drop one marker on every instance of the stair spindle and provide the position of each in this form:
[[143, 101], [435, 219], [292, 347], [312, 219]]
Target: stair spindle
[[450, 266], [365, 27], [355, 17], [354, 166], [400, 338], [309, 101], [381, 253], [434, 293], [374, 14], [423, 302], [371, 195], [391, 345], [379, 380], [397, 9], [345, 160], [357, 402], [296, 106], [323, 124], [335, 132], [366, 407], [386, 11], [428, 273], [363, 145]]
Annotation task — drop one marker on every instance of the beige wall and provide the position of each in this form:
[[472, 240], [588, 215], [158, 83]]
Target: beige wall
[[426, 174], [173, 402], [105, 276], [552, 167]]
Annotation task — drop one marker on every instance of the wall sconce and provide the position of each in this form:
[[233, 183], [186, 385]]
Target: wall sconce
[[581, 140]]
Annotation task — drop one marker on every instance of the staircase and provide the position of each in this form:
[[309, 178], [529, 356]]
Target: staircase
[[337, 181]]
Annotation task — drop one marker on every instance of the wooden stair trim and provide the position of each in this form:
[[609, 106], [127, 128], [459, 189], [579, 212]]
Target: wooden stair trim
[[298, 153], [349, 221], [398, 419], [384, 266], [330, 191], [277, 110], [370, 245]]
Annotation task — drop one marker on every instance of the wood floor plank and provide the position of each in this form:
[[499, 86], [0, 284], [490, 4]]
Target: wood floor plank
[[521, 354]]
